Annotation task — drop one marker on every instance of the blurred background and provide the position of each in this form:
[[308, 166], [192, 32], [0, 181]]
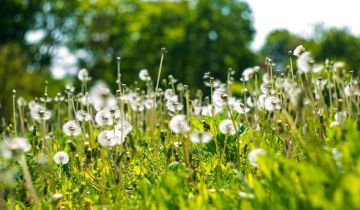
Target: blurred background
[[51, 40]]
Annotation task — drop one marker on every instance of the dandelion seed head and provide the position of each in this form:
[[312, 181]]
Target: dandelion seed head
[[179, 125], [227, 127], [177, 144], [248, 73], [83, 75], [124, 126], [299, 50], [201, 137], [39, 113], [240, 107], [144, 75], [253, 156], [272, 103], [246, 195], [21, 102], [304, 62], [61, 158], [334, 124], [71, 128], [57, 196], [107, 138], [19, 143], [82, 115], [340, 116], [104, 118]]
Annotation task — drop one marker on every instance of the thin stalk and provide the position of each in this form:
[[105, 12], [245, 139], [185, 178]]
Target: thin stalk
[[291, 67], [28, 183], [14, 112]]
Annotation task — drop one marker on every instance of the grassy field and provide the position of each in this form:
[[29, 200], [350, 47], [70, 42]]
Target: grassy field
[[271, 140]]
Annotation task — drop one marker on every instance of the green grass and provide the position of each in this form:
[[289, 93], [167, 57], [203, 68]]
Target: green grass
[[305, 164]]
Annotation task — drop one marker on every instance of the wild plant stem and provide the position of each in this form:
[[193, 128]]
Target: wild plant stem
[[14, 112], [28, 182]]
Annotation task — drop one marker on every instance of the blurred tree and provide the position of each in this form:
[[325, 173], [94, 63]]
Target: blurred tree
[[277, 45], [335, 44], [17, 55], [17, 17], [217, 36], [13, 76], [340, 45], [201, 36]]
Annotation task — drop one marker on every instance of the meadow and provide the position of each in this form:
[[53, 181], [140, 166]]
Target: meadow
[[268, 140]]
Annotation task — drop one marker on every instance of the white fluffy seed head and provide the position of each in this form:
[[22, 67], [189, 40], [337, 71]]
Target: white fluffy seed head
[[71, 128], [39, 113], [299, 50], [227, 127], [103, 118], [201, 137], [253, 155], [124, 127], [144, 75], [83, 75], [304, 63], [61, 158], [107, 138], [179, 125], [82, 115], [19, 144]]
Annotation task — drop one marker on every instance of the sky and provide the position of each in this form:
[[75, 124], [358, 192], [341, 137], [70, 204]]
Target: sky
[[299, 16]]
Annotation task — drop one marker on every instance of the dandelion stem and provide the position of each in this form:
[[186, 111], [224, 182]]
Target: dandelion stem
[[14, 112], [28, 183], [118, 61], [291, 67], [163, 51]]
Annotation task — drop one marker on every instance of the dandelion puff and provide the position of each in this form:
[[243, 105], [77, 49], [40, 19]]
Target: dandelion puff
[[261, 101], [61, 158], [57, 196], [173, 105], [103, 118], [83, 75], [144, 75], [266, 88], [320, 82], [340, 116], [21, 101], [240, 108], [253, 156], [39, 113], [168, 94], [201, 137], [82, 115], [120, 137], [299, 50], [19, 144], [352, 89], [107, 138], [178, 124], [334, 124], [246, 195], [177, 144], [272, 103], [304, 63], [114, 111], [71, 128], [249, 72], [227, 127], [317, 68], [124, 126]]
